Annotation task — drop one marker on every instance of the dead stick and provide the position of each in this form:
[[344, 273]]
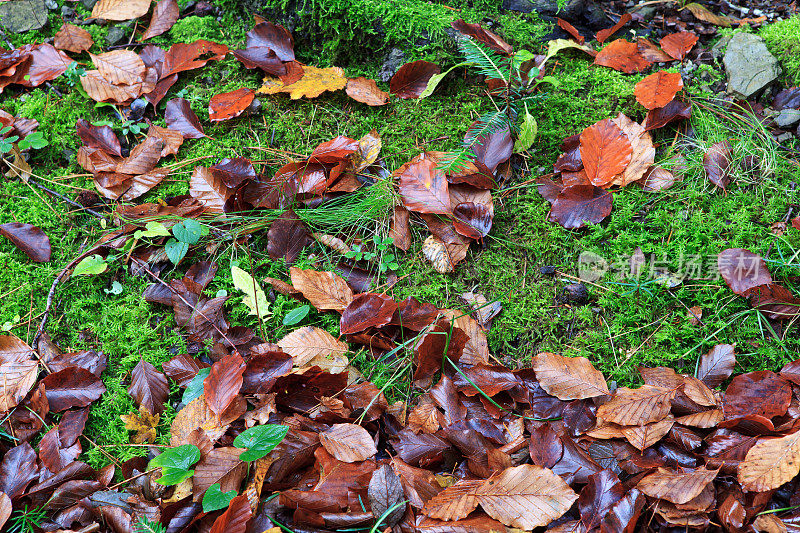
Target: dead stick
[[73, 203]]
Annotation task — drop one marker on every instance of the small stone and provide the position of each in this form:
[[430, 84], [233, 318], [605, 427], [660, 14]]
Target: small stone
[[117, 35], [19, 16], [88, 4], [547, 270], [575, 293], [52, 5], [749, 65], [787, 118], [394, 60], [67, 12]]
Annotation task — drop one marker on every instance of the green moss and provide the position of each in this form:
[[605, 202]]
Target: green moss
[[783, 40]]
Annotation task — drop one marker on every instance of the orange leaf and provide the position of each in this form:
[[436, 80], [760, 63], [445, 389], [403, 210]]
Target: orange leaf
[[605, 152], [623, 56], [119, 67], [165, 14], [631, 407], [771, 463], [73, 39], [313, 83], [348, 443], [324, 290], [602, 35], [569, 378], [230, 105], [569, 28], [424, 189], [658, 89], [678, 44], [366, 91]]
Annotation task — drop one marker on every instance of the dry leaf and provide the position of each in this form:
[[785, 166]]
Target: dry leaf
[[314, 82], [348, 442], [633, 407], [120, 9], [676, 487], [569, 378], [306, 343], [770, 463]]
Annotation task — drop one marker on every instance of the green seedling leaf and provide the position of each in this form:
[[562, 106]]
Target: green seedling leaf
[[296, 315], [437, 78], [33, 140], [254, 298], [90, 266], [189, 231], [155, 229], [176, 250], [557, 45], [214, 499], [116, 288], [175, 464], [195, 387], [259, 440], [527, 133]]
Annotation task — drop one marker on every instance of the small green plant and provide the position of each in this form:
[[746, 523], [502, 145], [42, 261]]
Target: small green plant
[[187, 233], [175, 463], [7, 143], [388, 261], [72, 76], [26, 520], [195, 387], [214, 499], [145, 525], [259, 440], [296, 315], [129, 126]]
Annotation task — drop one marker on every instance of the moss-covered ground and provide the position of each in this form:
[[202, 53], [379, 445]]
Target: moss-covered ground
[[622, 327]]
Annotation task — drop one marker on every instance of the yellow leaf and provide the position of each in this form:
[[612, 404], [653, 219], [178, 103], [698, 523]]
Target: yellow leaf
[[314, 82], [254, 299], [144, 424]]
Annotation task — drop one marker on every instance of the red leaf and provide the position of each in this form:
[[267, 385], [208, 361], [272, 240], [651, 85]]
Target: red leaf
[[602, 492], [430, 351], [148, 387], [234, 171], [579, 205], [412, 78], [658, 89], [494, 148], [482, 35], [230, 105], [623, 56], [762, 393], [183, 368], [678, 44], [365, 311], [602, 35], [717, 162], [53, 455], [272, 36], [605, 151], [651, 52], [165, 15], [774, 300], [674, 110], [424, 189], [472, 220], [28, 238], [235, 518], [287, 237], [72, 387], [47, 63], [334, 151], [623, 515], [185, 56], [263, 369], [263, 58], [569, 28], [180, 117], [223, 382], [742, 269]]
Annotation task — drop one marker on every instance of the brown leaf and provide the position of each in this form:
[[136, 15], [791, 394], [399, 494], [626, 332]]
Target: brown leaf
[[623, 56], [605, 151], [702, 13], [569, 28], [72, 387], [657, 179], [185, 56], [644, 436], [19, 377], [651, 52], [309, 342], [400, 230], [678, 44], [28, 238], [5, 508], [102, 137], [197, 414], [120, 67], [334, 151], [491, 149], [221, 465], [180, 117], [424, 189], [172, 139], [770, 463], [579, 205], [324, 290], [525, 496], [761, 393], [209, 190], [53, 455], [120, 9], [412, 78], [676, 487], [148, 387], [386, 492], [623, 515], [223, 382], [17, 470], [143, 158], [287, 236], [717, 162], [674, 110], [602, 35], [598, 496], [183, 368], [165, 15], [73, 39], [47, 63], [365, 311], [774, 300], [658, 89], [569, 378], [430, 349], [632, 407], [742, 270], [272, 36], [226, 106], [482, 35], [100, 90], [455, 502], [643, 152], [314, 82], [348, 443], [366, 91], [263, 58], [235, 518]]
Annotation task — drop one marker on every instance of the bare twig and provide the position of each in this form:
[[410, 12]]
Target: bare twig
[[71, 202]]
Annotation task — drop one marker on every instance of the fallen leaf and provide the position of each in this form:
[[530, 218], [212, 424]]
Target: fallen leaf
[[365, 311], [651, 52], [761, 393], [643, 153], [717, 163], [186, 56], [631, 407], [229, 105], [173, 139], [72, 387], [411, 79], [676, 487], [144, 423], [325, 290], [658, 89], [223, 383], [702, 13], [348, 443], [209, 190], [313, 83], [482, 35], [602, 35], [165, 15], [657, 178], [400, 229], [605, 151], [272, 36], [73, 39], [678, 44], [254, 297], [602, 492], [235, 518], [286, 238], [569, 378], [578, 205], [148, 387], [455, 502], [120, 9], [742, 269], [366, 91], [28, 238], [386, 495], [569, 28], [424, 189], [306, 343], [143, 158], [623, 56], [180, 117], [120, 67], [774, 300]]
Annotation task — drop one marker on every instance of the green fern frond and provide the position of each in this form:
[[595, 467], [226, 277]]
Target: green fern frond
[[488, 62], [487, 124], [145, 525]]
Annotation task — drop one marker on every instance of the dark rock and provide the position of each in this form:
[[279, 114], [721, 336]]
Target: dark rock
[[19, 16], [88, 4], [67, 12], [547, 270], [575, 293], [202, 9], [394, 60], [117, 35]]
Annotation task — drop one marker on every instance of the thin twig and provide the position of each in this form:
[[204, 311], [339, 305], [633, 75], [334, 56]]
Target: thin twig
[[71, 202], [112, 487]]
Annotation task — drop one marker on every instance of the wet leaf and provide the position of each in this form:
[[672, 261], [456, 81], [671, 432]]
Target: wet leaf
[[5, 508], [214, 499], [658, 89], [73, 39], [28, 238], [221, 466], [623, 515], [717, 162], [223, 382], [424, 189], [334, 151], [632, 407], [229, 105], [411, 79], [598, 496], [186, 56], [120, 9], [309, 342], [569, 28], [472, 220], [102, 137], [678, 44], [17, 470], [657, 179], [762, 393], [209, 190], [455, 502], [605, 152], [400, 231], [348, 442], [72, 387], [602, 35], [482, 35], [143, 158], [770, 463], [148, 387], [702, 13], [313, 83], [325, 290], [569, 378], [272, 36], [287, 237], [623, 56], [119, 67], [742, 270], [175, 463], [144, 423], [165, 15], [578, 205], [365, 311], [676, 487], [494, 148], [386, 492], [774, 300], [366, 91], [643, 153], [180, 117]]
